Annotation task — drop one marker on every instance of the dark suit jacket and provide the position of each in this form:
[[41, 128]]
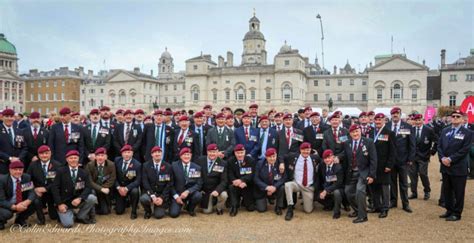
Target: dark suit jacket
[[325, 179], [245, 172], [205, 129], [405, 143], [337, 147], [315, 138], [216, 179], [7, 149], [191, 141], [132, 177], [134, 138], [158, 184], [103, 139], [457, 149], [385, 146], [149, 141], [272, 140], [107, 181], [283, 148], [63, 189], [180, 184], [251, 146], [32, 144], [301, 123], [59, 146], [263, 178], [366, 158], [290, 165], [426, 144], [37, 175], [6, 190], [227, 142]]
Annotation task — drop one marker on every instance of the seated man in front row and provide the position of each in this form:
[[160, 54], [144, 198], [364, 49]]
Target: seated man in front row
[[329, 184], [16, 195], [72, 190]]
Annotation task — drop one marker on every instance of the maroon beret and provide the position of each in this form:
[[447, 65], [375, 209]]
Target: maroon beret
[[395, 110], [371, 113], [15, 164], [379, 115], [65, 111], [207, 107], [279, 114], [94, 111], [156, 149], [177, 113], [8, 112], [246, 114], [334, 116], [212, 146], [327, 153], [354, 127], [43, 148], [314, 114], [126, 147], [35, 115], [270, 152], [72, 153], [100, 150], [167, 113], [183, 118], [158, 112], [338, 113], [287, 116], [147, 117], [307, 108], [75, 113], [263, 118], [305, 145], [230, 116], [226, 109], [198, 115], [104, 108], [253, 106], [128, 112], [184, 151], [220, 115], [459, 112], [119, 111], [139, 111], [239, 147], [362, 114], [417, 116]]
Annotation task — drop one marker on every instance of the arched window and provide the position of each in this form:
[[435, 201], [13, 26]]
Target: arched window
[[397, 92], [122, 97], [287, 92], [195, 93], [240, 94]]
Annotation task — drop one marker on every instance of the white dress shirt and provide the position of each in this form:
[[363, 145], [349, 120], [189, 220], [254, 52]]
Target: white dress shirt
[[299, 168]]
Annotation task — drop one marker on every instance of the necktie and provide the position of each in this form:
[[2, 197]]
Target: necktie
[[181, 138], [354, 150], [73, 176], [219, 136], [240, 163], [10, 134], [262, 137], [127, 133], [334, 134], [247, 134], [417, 133], [305, 173], [107, 124], [35, 133], [315, 129], [209, 166], [395, 128], [157, 169], [66, 132], [288, 133], [278, 128], [124, 168], [158, 136], [186, 172], [453, 130], [19, 196], [45, 171], [94, 135], [270, 174], [101, 174]]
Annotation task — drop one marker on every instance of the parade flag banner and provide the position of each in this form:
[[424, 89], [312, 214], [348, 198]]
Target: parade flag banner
[[467, 106], [430, 112]]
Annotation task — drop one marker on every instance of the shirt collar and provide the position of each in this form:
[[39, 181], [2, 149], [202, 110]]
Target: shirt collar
[[14, 179]]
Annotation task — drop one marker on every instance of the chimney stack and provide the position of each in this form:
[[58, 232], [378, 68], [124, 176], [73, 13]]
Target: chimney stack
[[136, 70], [230, 59], [443, 57], [90, 73], [220, 62], [151, 72], [335, 70]]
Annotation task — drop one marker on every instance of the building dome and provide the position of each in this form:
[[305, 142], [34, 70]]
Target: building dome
[[166, 54], [254, 34], [254, 19], [285, 48], [6, 46]]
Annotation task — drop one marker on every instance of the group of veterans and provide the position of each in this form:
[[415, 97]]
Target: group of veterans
[[72, 168]]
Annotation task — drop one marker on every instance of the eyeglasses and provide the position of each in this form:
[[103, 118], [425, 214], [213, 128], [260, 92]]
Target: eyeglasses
[[456, 116]]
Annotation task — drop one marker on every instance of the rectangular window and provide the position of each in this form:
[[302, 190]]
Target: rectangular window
[[327, 97], [315, 82], [101, 91], [62, 96], [339, 97], [287, 62], [55, 83], [269, 80], [227, 95], [83, 91], [175, 100], [452, 100], [46, 97], [32, 97], [227, 81], [315, 97], [214, 96], [469, 77], [214, 82], [101, 103], [175, 87], [83, 103], [352, 82], [39, 84], [39, 97], [63, 83], [268, 95], [327, 82], [195, 67], [339, 82], [252, 94], [47, 84], [364, 97], [453, 77], [351, 97], [166, 100], [379, 94], [32, 84], [414, 94], [252, 81], [166, 87], [55, 97], [364, 82]]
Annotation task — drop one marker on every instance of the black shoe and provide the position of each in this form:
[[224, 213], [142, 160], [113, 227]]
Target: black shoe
[[233, 211], [147, 215], [445, 215], [219, 211], [133, 216], [336, 215], [278, 211], [453, 218], [251, 208], [392, 205], [271, 201], [427, 196], [353, 214], [373, 210], [2, 226], [360, 220], [83, 221], [442, 204], [413, 196], [92, 220], [383, 214], [192, 213], [347, 208], [327, 208], [23, 224], [41, 221], [289, 213], [407, 209]]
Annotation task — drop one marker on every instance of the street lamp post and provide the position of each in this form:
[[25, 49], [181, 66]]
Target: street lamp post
[[322, 38]]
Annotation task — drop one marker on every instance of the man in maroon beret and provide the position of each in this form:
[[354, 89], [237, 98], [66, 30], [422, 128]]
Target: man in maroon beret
[[185, 137], [290, 138], [361, 168], [34, 136], [241, 171], [76, 118], [306, 122], [158, 134], [17, 195], [247, 135], [95, 135], [207, 118], [187, 184], [139, 118], [12, 142], [365, 126], [426, 146], [253, 112], [330, 184], [66, 136], [222, 136], [102, 175], [128, 133], [314, 134], [334, 139], [201, 129], [72, 190], [230, 122], [127, 184], [214, 174], [43, 172], [278, 118]]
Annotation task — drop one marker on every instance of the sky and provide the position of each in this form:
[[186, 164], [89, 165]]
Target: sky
[[106, 34]]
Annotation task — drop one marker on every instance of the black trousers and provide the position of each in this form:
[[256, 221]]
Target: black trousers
[[454, 190], [279, 196], [46, 200], [332, 200], [104, 203], [236, 195], [121, 202], [190, 204], [381, 196], [6, 214], [399, 181], [419, 167]]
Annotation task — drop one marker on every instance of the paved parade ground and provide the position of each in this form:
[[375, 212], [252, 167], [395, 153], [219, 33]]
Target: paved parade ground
[[422, 225]]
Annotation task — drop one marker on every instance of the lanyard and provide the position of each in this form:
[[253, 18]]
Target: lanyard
[[376, 136]]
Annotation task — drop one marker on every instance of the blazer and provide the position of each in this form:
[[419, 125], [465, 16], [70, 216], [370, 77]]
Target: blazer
[[65, 191], [59, 146], [315, 138], [227, 142], [272, 141], [365, 158], [215, 179], [191, 140], [456, 147], [149, 141], [131, 177], [251, 146], [158, 183], [103, 138], [134, 138], [290, 161], [9, 149], [180, 184], [329, 180], [264, 178], [6, 190], [35, 170], [385, 145], [283, 147], [329, 142], [202, 146], [245, 171], [405, 143], [32, 144], [108, 179], [426, 144]]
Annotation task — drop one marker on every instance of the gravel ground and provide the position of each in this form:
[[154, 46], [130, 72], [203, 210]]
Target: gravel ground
[[422, 225]]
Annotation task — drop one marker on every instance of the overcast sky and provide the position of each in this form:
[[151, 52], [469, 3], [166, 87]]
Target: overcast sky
[[133, 33]]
